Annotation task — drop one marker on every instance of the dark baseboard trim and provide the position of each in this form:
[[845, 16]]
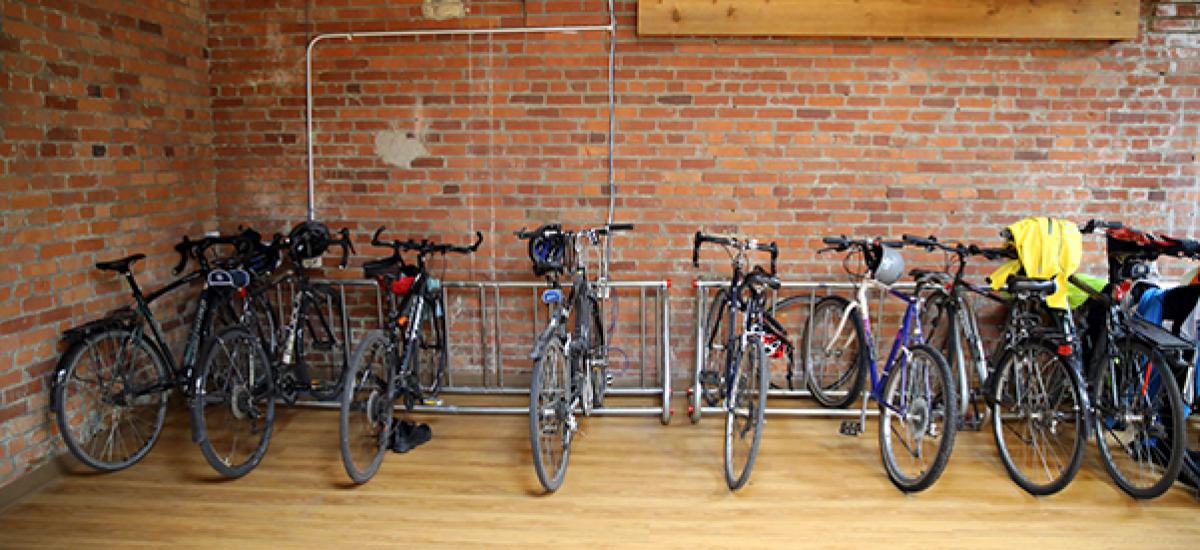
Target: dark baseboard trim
[[33, 481]]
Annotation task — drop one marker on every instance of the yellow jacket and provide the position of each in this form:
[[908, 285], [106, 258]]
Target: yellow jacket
[[1045, 248]]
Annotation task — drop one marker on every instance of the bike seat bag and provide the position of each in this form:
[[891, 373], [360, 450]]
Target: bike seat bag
[[403, 284]]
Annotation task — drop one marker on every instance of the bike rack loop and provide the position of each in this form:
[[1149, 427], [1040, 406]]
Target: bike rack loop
[[703, 296], [491, 369]]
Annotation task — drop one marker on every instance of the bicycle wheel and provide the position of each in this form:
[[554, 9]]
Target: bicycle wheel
[[744, 414], [550, 415], [367, 396], [790, 314], [708, 389], [431, 356], [833, 356], [1139, 412], [111, 401], [918, 420], [1038, 418], [233, 407], [324, 359]]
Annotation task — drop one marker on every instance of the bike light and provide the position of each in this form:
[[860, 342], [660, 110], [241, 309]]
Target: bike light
[[1065, 349], [695, 283], [668, 284], [241, 292], [1121, 290], [403, 320]]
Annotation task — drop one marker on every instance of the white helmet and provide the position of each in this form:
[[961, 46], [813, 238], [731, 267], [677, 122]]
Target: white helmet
[[890, 266]]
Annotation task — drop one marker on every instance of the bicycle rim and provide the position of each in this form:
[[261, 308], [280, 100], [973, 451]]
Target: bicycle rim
[[234, 407], [918, 420], [549, 410], [1037, 419], [366, 407], [1138, 414], [744, 414], [106, 422]]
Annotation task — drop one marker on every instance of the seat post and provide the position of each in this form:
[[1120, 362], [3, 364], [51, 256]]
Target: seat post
[[133, 286]]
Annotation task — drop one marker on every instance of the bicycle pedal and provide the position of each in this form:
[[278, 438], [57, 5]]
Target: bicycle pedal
[[851, 428]]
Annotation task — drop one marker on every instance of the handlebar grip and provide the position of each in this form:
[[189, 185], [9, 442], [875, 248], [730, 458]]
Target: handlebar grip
[[834, 241], [620, 227], [774, 250], [375, 238], [347, 247], [697, 240]]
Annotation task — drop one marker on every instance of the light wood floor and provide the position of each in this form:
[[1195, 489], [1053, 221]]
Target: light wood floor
[[631, 483]]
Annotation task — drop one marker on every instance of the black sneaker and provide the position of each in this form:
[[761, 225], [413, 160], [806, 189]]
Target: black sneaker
[[407, 435]]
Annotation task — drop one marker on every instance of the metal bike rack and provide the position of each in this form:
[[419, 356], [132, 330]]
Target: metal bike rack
[[816, 290], [653, 346]]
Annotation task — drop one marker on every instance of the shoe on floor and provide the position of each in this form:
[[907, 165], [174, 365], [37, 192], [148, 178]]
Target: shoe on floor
[[407, 435]]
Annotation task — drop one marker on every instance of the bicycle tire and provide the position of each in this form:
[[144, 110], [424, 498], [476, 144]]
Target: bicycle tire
[[847, 378], [755, 379], [1151, 455], [369, 391], [707, 386], [1060, 372], [223, 391], [923, 419], [432, 359], [68, 420], [550, 387], [789, 311]]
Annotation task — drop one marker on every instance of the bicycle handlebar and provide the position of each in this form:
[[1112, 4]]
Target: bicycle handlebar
[[742, 244], [425, 246], [1092, 225], [245, 242]]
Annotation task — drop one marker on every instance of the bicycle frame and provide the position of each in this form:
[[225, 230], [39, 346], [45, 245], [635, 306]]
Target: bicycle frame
[[908, 333]]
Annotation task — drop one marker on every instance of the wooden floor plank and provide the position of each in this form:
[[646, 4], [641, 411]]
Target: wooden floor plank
[[632, 483]]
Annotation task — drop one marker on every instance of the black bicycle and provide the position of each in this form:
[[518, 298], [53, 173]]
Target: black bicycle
[[570, 366], [233, 409], [740, 334], [1140, 419], [1031, 383], [405, 360], [112, 384]]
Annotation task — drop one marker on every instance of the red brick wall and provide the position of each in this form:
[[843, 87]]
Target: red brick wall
[[106, 129], [785, 139]]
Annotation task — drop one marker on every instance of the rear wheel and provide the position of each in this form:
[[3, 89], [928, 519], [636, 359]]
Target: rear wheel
[[833, 355], [366, 406], [707, 391], [918, 420], [745, 409], [233, 407], [1139, 412], [550, 415], [1038, 418], [111, 400]]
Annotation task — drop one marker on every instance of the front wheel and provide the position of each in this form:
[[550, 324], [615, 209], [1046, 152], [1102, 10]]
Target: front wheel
[[745, 409], [110, 401], [918, 420], [233, 409], [550, 415], [1139, 413], [1038, 418], [366, 406], [833, 352]]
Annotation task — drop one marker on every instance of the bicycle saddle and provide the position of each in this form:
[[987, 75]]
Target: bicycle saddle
[[1027, 284], [121, 265]]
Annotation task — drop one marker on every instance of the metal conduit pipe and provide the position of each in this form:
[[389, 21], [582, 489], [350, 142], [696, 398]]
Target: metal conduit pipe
[[610, 28]]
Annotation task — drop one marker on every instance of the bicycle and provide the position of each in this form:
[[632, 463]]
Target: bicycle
[[570, 367], [1139, 411], [111, 385], [733, 342], [916, 394], [1034, 394], [389, 362], [235, 390]]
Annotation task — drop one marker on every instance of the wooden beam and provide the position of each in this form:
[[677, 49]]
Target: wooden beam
[[1059, 19]]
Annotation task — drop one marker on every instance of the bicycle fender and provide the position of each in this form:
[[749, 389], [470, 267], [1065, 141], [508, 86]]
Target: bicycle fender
[[120, 318]]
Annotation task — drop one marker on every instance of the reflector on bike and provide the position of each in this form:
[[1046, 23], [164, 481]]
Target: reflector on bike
[[552, 296]]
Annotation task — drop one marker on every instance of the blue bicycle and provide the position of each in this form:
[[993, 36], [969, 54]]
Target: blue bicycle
[[916, 393]]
